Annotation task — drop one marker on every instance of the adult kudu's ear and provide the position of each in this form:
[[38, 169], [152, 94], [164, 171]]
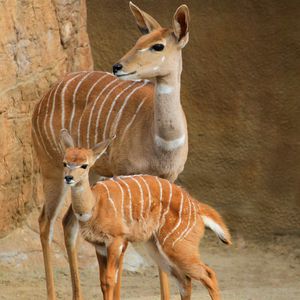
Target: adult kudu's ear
[[145, 22], [66, 139], [100, 148], [181, 21]]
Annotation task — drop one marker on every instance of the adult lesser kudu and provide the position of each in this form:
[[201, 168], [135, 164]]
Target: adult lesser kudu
[[146, 116]]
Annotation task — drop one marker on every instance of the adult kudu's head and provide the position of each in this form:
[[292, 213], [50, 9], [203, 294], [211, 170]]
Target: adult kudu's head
[[158, 52]]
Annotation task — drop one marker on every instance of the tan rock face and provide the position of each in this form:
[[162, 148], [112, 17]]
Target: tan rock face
[[240, 92], [39, 42]]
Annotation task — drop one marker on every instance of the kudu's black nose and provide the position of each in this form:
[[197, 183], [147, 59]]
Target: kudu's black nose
[[117, 67], [68, 178]]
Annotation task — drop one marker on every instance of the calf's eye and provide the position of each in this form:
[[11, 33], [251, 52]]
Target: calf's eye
[[84, 166], [65, 164]]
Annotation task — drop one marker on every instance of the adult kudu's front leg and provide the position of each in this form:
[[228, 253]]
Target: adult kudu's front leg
[[54, 191], [164, 285], [71, 227]]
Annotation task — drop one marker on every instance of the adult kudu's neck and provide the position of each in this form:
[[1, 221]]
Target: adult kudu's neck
[[169, 119], [83, 200]]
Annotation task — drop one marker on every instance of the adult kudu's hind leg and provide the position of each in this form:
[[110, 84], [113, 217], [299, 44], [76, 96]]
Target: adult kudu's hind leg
[[54, 192]]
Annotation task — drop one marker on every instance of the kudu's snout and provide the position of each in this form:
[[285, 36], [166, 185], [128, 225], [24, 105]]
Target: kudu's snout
[[68, 179], [117, 67]]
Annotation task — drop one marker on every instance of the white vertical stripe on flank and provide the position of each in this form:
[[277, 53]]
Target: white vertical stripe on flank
[[108, 194], [111, 108], [104, 102], [130, 198], [179, 219], [51, 117], [195, 219], [40, 138], [168, 207], [119, 114], [74, 99], [45, 119], [160, 195], [142, 196], [132, 119], [36, 137], [187, 226], [149, 194], [63, 92], [92, 110], [86, 103], [122, 196]]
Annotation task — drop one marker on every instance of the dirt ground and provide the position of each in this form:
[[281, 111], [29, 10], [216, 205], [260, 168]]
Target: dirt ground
[[246, 271]]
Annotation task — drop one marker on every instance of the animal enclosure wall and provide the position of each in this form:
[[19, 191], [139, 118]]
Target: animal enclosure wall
[[39, 42], [240, 90]]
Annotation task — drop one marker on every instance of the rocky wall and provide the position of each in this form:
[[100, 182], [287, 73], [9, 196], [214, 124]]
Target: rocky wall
[[40, 40]]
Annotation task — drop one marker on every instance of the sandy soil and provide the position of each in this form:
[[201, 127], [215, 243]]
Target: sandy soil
[[247, 270]]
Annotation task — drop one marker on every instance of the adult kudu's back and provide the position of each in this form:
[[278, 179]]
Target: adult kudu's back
[[146, 117], [95, 105]]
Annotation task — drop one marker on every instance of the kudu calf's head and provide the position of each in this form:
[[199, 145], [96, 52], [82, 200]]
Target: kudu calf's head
[[158, 52], [78, 161]]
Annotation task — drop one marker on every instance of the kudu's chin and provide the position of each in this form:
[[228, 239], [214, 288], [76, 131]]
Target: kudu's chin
[[126, 75], [70, 183]]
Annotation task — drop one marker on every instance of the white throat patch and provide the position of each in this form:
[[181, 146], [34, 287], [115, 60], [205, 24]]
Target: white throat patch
[[83, 217], [164, 89], [169, 145]]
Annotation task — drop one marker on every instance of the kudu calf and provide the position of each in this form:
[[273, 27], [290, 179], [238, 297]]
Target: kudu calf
[[140, 208]]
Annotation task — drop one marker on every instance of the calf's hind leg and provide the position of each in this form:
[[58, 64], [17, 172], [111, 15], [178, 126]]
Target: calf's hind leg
[[195, 269]]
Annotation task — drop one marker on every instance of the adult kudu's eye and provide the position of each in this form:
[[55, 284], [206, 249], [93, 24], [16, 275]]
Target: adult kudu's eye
[[158, 47], [84, 166], [65, 164]]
